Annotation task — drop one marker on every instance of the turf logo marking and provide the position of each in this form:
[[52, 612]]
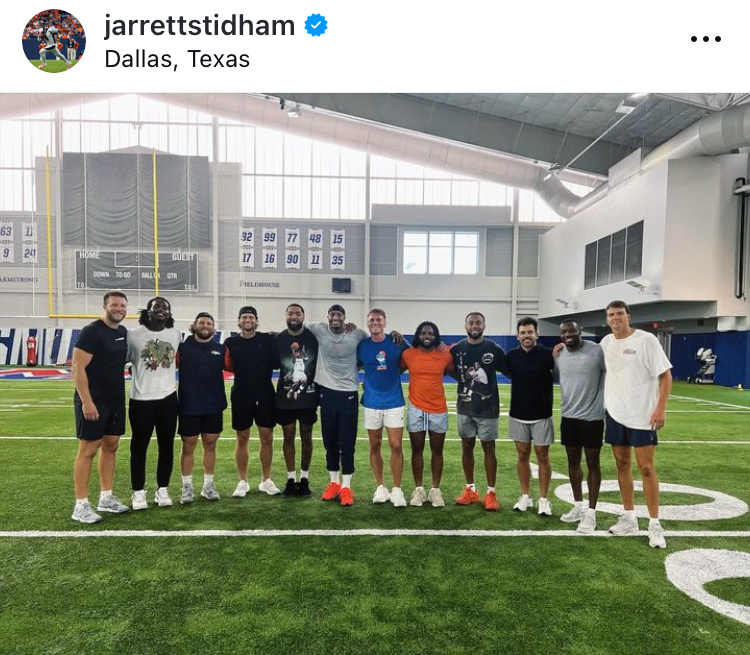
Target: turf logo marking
[[691, 570], [722, 506]]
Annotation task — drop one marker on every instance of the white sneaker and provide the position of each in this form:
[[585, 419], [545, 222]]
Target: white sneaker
[[268, 487], [436, 497], [241, 489], [84, 513], [209, 491], [112, 504], [656, 537], [574, 515], [161, 497], [524, 502], [624, 526], [139, 500], [588, 522], [544, 508], [188, 494], [42, 66], [418, 498], [381, 495], [397, 497]]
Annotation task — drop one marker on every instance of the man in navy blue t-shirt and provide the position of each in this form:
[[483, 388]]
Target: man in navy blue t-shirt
[[383, 400], [203, 400]]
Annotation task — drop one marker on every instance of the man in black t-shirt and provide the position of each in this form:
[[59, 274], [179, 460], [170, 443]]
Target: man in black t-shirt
[[477, 361], [295, 355], [249, 354], [530, 421], [98, 373]]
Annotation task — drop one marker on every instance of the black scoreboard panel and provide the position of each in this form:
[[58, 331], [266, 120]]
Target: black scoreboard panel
[[114, 269]]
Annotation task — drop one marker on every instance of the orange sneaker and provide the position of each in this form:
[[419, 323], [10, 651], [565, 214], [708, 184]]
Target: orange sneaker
[[468, 497], [490, 501], [332, 491], [347, 497]]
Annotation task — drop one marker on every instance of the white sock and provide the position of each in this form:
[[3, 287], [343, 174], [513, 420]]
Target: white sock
[[581, 504], [471, 486], [490, 490], [208, 478], [541, 499], [291, 475], [591, 512], [81, 501], [653, 522], [163, 489], [347, 483], [334, 475], [396, 488], [105, 494], [304, 474], [187, 479], [629, 514]]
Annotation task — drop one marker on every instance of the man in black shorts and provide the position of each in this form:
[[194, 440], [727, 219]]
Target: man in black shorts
[[296, 354], [99, 360], [249, 354], [202, 403], [579, 368]]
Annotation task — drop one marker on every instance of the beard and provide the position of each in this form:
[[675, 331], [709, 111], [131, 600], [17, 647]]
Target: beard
[[294, 325]]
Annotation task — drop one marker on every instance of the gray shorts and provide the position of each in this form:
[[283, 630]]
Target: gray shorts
[[420, 421], [542, 433], [470, 427]]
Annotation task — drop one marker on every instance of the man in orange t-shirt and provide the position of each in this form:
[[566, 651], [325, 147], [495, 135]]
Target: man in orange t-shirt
[[428, 411]]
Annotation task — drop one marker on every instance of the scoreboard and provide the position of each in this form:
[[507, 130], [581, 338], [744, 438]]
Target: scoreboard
[[116, 269]]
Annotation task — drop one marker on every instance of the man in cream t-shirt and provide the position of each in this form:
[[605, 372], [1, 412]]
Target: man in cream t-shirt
[[153, 398], [636, 389]]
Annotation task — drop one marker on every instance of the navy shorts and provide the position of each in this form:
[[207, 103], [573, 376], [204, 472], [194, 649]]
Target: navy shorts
[[111, 421], [586, 434], [246, 412], [191, 426], [620, 435], [308, 416]]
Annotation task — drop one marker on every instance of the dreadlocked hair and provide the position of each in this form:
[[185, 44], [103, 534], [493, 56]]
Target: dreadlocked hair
[[434, 327]]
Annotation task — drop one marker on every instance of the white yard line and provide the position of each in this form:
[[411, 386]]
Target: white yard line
[[366, 532], [708, 402], [230, 439]]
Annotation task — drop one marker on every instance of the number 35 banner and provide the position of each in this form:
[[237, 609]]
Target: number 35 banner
[[338, 261]]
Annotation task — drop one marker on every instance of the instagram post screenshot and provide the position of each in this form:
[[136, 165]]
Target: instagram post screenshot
[[411, 328]]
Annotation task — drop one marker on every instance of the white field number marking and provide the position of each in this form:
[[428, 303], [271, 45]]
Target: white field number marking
[[691, 570], [722, 506]]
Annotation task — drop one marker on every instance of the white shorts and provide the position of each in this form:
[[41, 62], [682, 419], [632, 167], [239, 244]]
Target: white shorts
[[375, 419]]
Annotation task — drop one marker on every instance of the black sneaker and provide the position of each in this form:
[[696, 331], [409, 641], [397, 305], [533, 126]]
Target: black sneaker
[[303, 488], [290, 490]]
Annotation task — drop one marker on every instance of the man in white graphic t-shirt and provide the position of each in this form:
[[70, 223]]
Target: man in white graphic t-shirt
[[636, 389]]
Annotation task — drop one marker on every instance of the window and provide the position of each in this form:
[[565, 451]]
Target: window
[[614, 258], [441, 252]]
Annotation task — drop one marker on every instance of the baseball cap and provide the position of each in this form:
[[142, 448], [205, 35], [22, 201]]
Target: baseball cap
[[248, 309], [204, 315]]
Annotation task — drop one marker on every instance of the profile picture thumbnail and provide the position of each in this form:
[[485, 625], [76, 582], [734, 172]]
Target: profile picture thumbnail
[[54, 41]]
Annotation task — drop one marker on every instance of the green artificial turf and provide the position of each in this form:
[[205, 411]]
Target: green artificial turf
[[356, 594]]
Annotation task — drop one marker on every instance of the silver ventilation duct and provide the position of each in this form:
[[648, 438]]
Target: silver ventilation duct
[[716, 134]]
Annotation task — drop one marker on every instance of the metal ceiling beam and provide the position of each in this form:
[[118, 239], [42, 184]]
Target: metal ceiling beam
[[514, 137]]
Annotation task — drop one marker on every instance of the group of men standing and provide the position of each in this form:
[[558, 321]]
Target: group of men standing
[[319, 362]]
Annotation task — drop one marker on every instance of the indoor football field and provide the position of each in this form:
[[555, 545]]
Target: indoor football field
[[270, 575]]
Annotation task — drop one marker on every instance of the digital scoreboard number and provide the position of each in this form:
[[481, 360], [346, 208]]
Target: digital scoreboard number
[[114, 269]]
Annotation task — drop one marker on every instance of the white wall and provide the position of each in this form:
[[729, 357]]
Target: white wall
[[642, 198]]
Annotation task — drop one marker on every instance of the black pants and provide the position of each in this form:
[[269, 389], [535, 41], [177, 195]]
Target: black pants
[[145, 415], [339, 412]]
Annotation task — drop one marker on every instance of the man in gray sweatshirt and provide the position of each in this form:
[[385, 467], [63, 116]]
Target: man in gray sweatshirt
[[337, 380]]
